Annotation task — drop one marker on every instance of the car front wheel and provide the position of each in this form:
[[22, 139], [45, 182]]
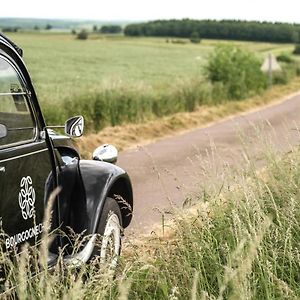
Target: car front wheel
[[110, 230]]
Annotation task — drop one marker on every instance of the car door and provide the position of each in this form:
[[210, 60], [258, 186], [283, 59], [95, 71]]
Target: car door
[[25, 165]]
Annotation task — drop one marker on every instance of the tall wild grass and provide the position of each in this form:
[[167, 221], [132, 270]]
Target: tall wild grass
[[240, 240], [128, 104]]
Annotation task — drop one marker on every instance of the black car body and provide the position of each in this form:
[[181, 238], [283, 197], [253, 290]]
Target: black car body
[[35, 160]]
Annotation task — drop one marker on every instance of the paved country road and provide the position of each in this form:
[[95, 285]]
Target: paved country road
[[165, 172]]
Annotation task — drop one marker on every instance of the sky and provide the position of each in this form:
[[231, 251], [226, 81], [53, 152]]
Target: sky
[[139, 10]]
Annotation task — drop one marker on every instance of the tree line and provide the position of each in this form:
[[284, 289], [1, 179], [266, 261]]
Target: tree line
[[105, 29], [212, 29]]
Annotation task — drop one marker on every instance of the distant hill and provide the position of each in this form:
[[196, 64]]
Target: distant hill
[[29, 23]]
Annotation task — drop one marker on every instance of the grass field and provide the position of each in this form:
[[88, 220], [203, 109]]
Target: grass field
[[73, 76], [62, 66]]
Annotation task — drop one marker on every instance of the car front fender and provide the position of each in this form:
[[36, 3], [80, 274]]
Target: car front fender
[[101, 180]]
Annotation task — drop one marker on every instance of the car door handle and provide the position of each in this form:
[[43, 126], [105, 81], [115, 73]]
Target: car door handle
[[2, 169]]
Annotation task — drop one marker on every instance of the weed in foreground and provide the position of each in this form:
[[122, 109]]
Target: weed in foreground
[[240, 243], [243, 244]]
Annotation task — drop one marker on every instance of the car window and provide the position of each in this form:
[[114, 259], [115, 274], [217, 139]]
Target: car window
[[15, 115]]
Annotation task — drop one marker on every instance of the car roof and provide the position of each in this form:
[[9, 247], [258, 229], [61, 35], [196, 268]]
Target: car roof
[[6, 40]]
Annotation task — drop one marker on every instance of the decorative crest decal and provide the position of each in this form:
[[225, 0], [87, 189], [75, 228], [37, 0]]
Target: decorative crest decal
[[27, 197]]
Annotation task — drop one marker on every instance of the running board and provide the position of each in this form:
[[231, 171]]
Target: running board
[[76, 260]]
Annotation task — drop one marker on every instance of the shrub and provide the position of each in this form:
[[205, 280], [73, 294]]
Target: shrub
[[178, 41], [82, 35], [289, 71], [286, 58], [297, 49], [219, 92], [238, 70], [281, 77], [195, 38]]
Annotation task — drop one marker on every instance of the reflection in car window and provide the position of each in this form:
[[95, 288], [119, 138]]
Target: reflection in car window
[[8, 77], [14, 111]]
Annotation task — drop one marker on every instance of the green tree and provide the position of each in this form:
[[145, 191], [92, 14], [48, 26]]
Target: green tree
[[295, 37], [111, 29], [297, 49], [82, 35], [237, 70], [212, 29], [10, 29]]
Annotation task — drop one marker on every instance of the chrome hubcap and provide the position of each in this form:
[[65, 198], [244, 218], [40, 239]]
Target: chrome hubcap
[[111, 242]]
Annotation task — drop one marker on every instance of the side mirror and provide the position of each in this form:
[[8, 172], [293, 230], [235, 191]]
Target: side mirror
[[3, 131], [107, 153], [74, 126]]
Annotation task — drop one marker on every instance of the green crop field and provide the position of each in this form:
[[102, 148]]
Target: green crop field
[[65, 69], [61, 65]]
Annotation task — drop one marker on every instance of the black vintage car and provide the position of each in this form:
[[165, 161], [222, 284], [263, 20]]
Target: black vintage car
[[95, 197]]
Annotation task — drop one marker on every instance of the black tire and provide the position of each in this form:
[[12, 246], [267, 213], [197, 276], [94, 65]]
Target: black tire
[[110, 219]]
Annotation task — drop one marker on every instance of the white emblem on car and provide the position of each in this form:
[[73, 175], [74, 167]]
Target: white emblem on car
[[27, 197]]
